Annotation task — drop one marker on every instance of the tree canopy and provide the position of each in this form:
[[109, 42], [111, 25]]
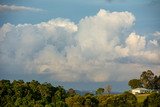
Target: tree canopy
[[147, 80], [34, 94]]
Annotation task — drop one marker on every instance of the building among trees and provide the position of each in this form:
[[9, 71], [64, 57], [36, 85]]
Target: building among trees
[[140, 91]]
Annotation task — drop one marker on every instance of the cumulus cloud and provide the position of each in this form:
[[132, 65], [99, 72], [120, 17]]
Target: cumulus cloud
[[92, 50], [157, 33], [4, 8], [139, 50]]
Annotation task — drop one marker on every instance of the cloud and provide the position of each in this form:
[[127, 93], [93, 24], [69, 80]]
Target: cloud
[[98, 48], [4, 8], [157, 33], [110, 1], [139, 50], [154, 2], [135, 42]]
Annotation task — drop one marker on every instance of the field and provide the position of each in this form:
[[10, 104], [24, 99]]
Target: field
[[141, 97]]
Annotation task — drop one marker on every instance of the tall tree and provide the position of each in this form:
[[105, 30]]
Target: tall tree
[[108, 89], [156, 82], [135, 83], [147, 78]]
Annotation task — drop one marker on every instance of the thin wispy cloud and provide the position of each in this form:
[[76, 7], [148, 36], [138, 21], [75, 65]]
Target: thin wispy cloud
[[8, 8], [155, 2], [110, 1]]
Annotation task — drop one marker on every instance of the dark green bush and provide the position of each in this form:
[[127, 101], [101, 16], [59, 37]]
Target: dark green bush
[[152, 100]]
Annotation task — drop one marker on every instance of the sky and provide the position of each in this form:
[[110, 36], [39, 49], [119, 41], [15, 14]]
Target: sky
[[80, 44]]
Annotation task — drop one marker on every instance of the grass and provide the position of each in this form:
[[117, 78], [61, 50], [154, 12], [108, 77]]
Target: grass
[[141, 97]]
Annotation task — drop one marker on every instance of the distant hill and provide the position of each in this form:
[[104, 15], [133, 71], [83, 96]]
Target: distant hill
[[83, 92]]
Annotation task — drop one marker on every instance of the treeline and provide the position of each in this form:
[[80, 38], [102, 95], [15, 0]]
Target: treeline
[[146, 80], [34, 94]]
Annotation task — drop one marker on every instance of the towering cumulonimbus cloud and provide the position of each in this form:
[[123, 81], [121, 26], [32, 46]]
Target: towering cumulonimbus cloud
[[99, 48]]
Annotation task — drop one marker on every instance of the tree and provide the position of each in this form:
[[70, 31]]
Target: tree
[[126, 100], [153, 100], [103, 100], [156, 82], [60, 94], [135, 83], [6, 93], [71, 92], [120, 100], [76, 100], [99, 91], [90, 100], [108, 89], [147, 78], [30, 94]]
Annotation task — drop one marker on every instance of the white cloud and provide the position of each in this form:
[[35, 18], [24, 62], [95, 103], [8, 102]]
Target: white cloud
[[138, 50], [135, 42], [4, 8], [157, 33], [154, 42], [92, 50]]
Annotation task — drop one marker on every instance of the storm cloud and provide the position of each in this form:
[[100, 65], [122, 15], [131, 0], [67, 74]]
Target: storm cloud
[[99, 48]]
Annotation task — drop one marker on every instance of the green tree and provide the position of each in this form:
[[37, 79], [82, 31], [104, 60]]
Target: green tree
[[75, 101], [147, 78], [61, 104], [20, 88], [90, 100], [60, 94], [30, 94], [35, 92], [156, 82], [135, 83], [71, 92], [103, 100], [122, 100], [99, 91], [152, 100], [46, 92]]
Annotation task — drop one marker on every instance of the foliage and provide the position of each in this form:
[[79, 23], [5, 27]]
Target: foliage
[[135, 83], [99, 91], [34, 94], [147, 80], [19, 93], [71, 92], [150, 81], [75, 100], [122, 100], [90, 100], [152, 100], [156, 82]]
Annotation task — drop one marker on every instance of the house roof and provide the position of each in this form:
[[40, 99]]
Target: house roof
[[140, 89]]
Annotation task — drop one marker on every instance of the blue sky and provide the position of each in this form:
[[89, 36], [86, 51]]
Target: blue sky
[[146, 12], [79, 41]]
